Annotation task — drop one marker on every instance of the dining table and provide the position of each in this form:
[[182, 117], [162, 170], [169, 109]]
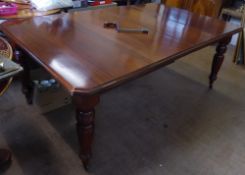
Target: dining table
[[88, 59]]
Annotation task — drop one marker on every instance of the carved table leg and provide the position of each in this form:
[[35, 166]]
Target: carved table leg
[[27, 86], [218, 60], [85, 115]]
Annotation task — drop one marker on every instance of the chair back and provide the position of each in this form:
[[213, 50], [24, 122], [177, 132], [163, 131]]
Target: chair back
[[7, 52]]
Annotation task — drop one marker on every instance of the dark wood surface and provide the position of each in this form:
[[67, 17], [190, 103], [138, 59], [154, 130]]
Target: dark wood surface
[[88, 59]]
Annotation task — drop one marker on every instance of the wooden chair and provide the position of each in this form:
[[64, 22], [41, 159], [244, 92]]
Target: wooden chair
[[203, 7], [7, 52], [237, 12]]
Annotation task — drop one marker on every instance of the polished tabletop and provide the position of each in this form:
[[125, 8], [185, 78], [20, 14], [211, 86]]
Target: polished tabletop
[[87, 58]]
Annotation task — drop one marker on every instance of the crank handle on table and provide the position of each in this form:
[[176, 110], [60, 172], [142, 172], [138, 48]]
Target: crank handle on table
[[132, 30]]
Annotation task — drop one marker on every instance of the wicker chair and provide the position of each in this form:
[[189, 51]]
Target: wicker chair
[[6, 51]]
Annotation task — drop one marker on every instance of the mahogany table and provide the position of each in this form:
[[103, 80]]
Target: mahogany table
[[88, 59]]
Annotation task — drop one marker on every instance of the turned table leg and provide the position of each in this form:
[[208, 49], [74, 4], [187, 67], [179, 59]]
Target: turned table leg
[[218, 60], [27, 86], [85, 115]]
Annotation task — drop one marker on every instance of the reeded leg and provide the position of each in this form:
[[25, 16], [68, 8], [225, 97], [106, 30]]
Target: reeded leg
[[85, 115], [218, 60], [27, 86]]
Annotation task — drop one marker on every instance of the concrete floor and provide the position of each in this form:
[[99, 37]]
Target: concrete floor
[[167, 122]]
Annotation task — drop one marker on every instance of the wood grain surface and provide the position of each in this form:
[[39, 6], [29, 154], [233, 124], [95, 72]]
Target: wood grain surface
[[87, 59]]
